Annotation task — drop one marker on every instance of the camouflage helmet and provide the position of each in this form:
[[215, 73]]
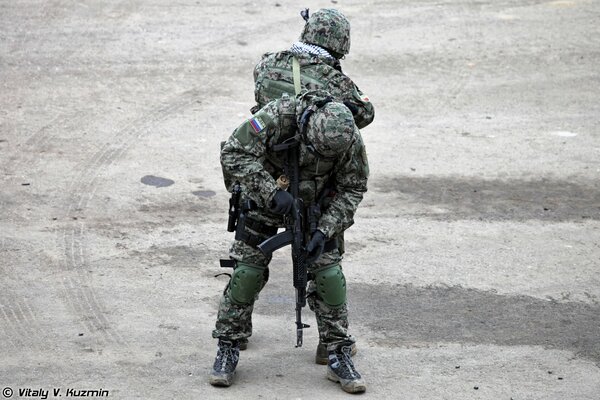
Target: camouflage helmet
[[330, 29], [330, 131]]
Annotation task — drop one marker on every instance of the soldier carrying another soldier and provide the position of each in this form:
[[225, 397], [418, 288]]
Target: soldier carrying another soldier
[[332, 174], [313, 63]]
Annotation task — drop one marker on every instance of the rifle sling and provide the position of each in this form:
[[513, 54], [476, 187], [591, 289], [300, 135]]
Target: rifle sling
[[296, 76]]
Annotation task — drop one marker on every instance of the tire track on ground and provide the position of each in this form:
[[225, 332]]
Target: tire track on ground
[[12, 320], [457, 74], [18, 318], [22, 326], [8, 327], [19, 323], [79, 291]]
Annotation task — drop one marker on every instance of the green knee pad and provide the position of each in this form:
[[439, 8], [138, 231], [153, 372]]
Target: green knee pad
[[331, 285], [246, 282]]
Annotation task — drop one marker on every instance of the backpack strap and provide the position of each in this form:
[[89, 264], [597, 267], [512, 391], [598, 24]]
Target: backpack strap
[[296, 75], [287, 117]]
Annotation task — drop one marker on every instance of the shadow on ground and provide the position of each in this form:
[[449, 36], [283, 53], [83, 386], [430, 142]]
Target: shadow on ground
[[404, 315], [449, 198]]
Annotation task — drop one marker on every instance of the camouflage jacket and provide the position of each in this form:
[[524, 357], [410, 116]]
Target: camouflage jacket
[[273, 76], [247, 157]]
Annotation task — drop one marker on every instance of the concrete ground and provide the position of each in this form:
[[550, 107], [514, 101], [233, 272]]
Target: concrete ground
[[473, 266]]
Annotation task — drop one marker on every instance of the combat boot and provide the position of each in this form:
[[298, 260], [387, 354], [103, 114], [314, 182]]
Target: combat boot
[[322, 356], [227, 358], [341, 369]]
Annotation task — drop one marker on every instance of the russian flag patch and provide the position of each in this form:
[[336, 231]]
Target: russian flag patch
[[257, 124]]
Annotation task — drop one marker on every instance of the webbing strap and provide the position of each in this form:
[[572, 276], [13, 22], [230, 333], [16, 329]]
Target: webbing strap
[[296, 75]]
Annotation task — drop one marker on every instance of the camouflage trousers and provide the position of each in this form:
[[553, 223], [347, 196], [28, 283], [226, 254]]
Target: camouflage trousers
[[235, 321]]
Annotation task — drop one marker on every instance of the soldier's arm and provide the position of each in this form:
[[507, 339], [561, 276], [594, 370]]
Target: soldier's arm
[[351, 176], [359, 103], [242, 158], [259, 69]]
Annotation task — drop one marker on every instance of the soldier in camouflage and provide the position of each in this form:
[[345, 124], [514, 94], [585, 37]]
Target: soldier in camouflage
[[333, 172], [325, 39]]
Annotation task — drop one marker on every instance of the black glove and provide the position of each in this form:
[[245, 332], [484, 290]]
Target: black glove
[[315, 246], [282, 202]]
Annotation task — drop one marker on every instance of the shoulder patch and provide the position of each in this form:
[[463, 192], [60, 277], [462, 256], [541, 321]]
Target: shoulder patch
[[365, 98], [257, 124]]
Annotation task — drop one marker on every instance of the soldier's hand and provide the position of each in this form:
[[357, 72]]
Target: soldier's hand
[[282, 202], [315, 246]]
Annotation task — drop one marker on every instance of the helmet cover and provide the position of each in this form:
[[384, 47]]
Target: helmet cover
[[330, 130], [330, 29]]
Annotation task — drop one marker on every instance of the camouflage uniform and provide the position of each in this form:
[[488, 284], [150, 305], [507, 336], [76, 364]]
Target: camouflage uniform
[[329, 30], [273, 76], [247, 157]]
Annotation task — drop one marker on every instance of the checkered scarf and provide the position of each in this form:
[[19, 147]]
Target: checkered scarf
[[301, 47]]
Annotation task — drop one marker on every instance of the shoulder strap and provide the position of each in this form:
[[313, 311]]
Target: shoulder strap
[[296, 75], [287, 117]]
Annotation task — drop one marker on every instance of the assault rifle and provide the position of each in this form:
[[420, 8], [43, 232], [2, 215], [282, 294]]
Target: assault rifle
[[297, 230]]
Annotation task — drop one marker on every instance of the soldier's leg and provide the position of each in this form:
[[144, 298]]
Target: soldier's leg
[[322, 354], [327, 298], [234, 319]]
